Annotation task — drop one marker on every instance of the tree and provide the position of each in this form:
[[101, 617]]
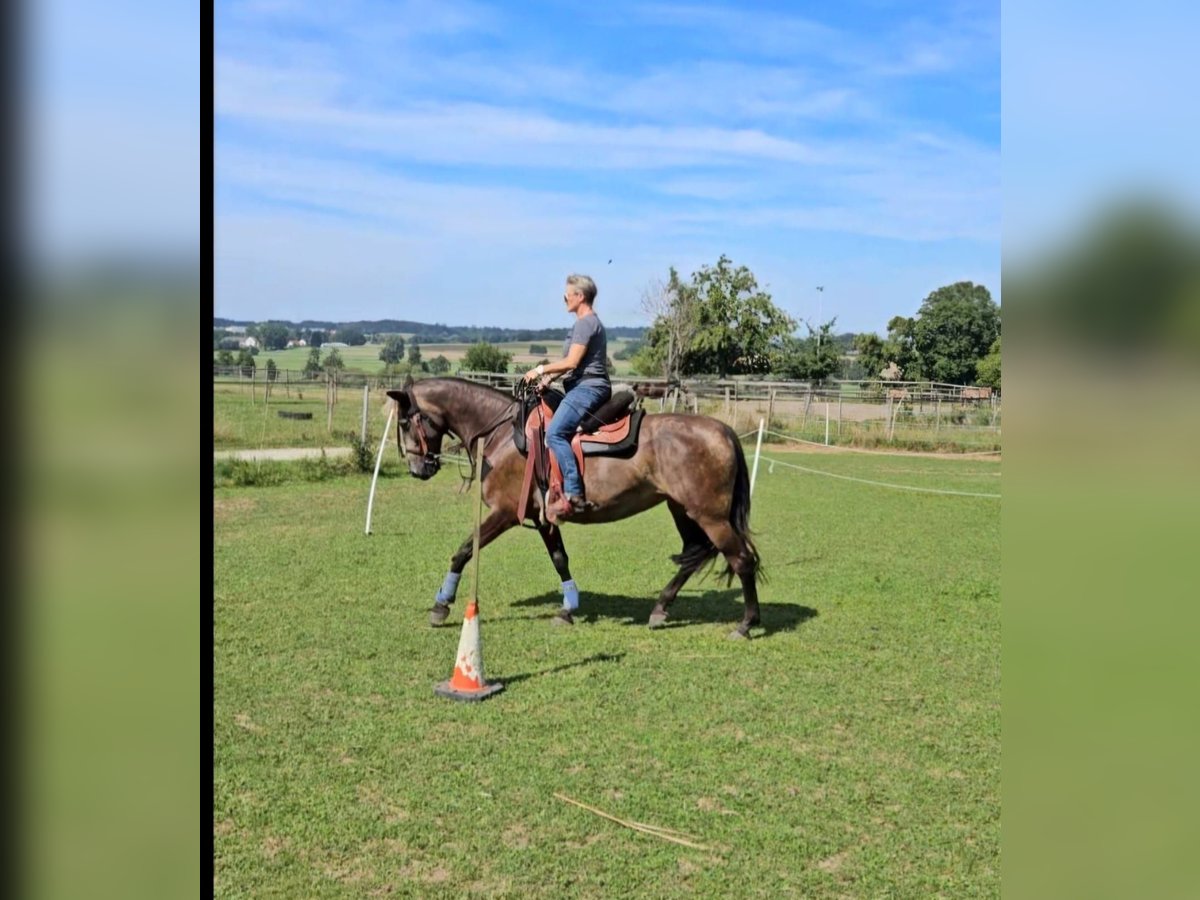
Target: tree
[[333, 361], [317, 338], [414, 355], [870, 353], [274, 335], [272, 370], [439, 365], [313, 365], [245, 362], [671, 306], [953, 331], [393, 349], [814, 358], [225, 359], [987, 373], [352, 336], [538, 350], [485, 357], [900, 347]]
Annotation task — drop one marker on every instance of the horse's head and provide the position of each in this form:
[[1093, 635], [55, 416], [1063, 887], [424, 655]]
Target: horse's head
[[420, 432]]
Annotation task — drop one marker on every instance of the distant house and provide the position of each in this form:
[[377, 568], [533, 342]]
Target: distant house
[[299, 343], [335, 344], [249, 342]]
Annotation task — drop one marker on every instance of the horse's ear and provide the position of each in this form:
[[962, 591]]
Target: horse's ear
[[402, 400], [408, 382]]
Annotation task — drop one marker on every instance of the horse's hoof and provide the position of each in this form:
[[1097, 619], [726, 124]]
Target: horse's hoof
[[439, 614], [738, 635], [563, 617], [658, 620]]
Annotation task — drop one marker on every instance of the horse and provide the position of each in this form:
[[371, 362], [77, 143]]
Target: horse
[[693, 463]]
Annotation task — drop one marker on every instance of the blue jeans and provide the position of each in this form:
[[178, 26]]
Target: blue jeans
[[586, 397]]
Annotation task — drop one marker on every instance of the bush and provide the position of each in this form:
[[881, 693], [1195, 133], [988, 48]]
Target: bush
[[361, 455]]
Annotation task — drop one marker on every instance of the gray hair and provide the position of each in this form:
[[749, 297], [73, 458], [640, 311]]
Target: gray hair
[[584, 284]]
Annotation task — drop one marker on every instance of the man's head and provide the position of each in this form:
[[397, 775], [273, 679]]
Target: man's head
[[580, 289]]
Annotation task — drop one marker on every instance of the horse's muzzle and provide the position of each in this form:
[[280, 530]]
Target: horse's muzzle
[[430, 465]]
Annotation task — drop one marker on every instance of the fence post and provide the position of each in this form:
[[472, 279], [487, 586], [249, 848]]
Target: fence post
[[807, 404], [329, 402], [839, 432], [826, 423], [757, 449], [770, 406], [727, 401]]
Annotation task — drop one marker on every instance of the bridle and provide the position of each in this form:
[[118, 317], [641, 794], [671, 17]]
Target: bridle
[[416, 423]]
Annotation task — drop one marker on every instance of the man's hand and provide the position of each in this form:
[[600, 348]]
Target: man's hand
[[534, 373]]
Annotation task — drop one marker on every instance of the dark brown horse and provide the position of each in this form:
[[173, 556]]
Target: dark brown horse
[[694, 463]]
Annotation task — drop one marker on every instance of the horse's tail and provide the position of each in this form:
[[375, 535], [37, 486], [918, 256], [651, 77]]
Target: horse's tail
[[699, 549], [739, 509]]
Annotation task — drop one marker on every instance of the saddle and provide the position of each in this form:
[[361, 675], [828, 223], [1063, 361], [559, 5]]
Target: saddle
[[612, 430]]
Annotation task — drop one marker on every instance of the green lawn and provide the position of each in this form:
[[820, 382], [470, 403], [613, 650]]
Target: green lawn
[[852, 748], [366, 358]]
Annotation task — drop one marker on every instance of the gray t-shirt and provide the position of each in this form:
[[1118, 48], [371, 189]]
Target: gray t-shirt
[[588, 331]]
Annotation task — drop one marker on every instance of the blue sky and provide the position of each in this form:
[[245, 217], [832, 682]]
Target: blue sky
[[454, 161]]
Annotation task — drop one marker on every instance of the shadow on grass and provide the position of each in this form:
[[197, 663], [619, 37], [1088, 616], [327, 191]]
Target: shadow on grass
[[594, 658], [721, 607]]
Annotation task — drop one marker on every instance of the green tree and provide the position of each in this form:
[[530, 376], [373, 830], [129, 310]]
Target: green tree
[[333, 361], [352, 336], [987, 373], [274, 335], [954, 328], [245, 362], [439, 365], [272, 370], [813, 358], [719, 322], [313, 365], [671, 306], [393, 349], [317, 338], [225, 359], [414, 355], [870, 349], [900, 347], [485, 357], [538, 350]]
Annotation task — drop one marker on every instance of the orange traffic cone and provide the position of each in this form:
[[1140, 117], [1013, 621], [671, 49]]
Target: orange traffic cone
[[467, 682]]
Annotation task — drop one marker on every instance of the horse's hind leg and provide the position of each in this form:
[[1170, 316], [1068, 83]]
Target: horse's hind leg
[[697, 550], [744, 563], [497, 522], [552, 538]]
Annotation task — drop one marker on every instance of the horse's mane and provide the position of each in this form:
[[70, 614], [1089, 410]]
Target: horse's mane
[[487, 389]]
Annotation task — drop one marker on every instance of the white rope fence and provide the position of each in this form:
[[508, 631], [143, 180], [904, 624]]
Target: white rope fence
[[772, 463], [788, 437], [898, 487]]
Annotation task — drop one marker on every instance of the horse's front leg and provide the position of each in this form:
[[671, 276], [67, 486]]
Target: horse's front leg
[[497, 522], [552, 538]]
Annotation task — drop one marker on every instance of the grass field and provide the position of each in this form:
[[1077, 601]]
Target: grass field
[[851, 749], [366, 358]]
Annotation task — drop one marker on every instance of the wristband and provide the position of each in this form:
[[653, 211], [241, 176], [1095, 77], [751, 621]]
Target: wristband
[[541, 370]]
